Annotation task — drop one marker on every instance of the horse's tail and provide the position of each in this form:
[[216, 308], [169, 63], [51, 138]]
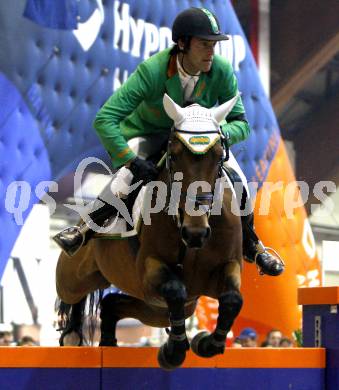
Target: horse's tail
[[81, 317]]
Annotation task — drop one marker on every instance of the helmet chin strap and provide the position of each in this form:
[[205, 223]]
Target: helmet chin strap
[[182, 64]]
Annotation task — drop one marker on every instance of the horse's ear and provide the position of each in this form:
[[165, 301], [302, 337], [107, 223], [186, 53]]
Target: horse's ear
[[173, 110], [224, 109]]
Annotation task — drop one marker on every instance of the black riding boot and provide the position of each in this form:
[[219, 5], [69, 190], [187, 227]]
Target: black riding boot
[[71, 239], [255, 251]]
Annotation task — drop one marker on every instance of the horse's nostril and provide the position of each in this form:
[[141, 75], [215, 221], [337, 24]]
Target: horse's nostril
[[208, 232]]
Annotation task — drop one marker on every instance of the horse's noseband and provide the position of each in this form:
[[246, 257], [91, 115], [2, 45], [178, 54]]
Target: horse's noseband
[[201, 200]]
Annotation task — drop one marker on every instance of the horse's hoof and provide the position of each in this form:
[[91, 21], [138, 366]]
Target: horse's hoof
[[164, 359], [68, 333], [196, 343], [202, 345], [108, 343]]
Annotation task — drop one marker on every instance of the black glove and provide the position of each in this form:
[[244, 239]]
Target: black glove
[[143, 170]]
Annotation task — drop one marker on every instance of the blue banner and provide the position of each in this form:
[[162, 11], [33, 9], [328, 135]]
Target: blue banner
[[58, 14]]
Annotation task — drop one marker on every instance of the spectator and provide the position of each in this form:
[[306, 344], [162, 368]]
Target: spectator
[[236, 343], [273, 338], [286, 343], [248, 338], [265, 344], [27, 341], [6, 338]]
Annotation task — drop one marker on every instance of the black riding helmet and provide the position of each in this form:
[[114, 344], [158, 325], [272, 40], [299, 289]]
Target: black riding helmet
[[197, 22]]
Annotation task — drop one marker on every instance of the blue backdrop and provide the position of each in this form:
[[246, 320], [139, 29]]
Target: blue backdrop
[[60, 60]]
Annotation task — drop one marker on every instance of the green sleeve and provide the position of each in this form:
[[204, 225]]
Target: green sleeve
[[122, 103], [238, 130]]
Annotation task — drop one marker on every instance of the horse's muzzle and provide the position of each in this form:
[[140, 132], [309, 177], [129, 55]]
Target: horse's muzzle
[[195, 237]]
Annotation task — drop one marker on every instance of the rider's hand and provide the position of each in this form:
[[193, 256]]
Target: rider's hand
[[142, 170]]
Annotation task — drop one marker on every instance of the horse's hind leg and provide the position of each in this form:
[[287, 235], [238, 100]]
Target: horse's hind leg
[[72, 327], [109, 318], [115, 307], [230, 303]]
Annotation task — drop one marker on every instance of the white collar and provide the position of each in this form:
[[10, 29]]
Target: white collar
[[183, 74]]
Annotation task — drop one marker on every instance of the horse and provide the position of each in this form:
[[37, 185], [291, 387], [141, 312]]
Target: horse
[[193, 251]]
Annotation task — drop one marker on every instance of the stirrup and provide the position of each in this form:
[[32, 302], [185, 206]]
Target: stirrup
[[260, 249]]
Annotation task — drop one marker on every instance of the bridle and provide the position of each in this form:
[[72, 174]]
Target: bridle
[[199, 200]]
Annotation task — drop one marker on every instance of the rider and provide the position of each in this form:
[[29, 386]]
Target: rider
[[188, 72]]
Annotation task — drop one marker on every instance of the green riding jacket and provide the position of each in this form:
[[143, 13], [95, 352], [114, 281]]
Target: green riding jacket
[[136, 108]]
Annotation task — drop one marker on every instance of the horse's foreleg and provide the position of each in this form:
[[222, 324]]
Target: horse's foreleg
[[161, 281], [173, 352], [230, 303]]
